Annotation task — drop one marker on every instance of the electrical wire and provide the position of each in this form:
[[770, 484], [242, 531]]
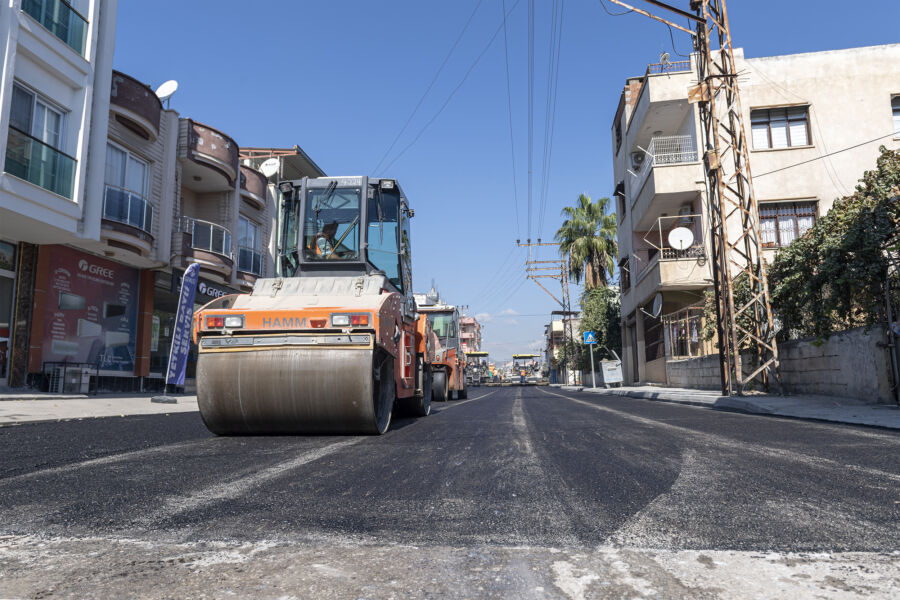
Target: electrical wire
[[453, 92], [512, 145], [430, 85], [612, 13], [552, 111], [674, 49], [803, 162], [530, 107]]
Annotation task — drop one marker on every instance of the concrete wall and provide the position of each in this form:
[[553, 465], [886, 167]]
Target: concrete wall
[[850, 364]]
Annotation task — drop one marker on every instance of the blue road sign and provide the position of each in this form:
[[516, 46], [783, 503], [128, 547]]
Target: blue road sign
[[590, 337]]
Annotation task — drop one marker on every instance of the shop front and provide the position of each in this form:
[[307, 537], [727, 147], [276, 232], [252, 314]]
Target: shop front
[[85, 320], [7, 303], [167, 287]]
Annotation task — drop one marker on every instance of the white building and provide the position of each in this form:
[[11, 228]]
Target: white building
[[55, 56], [815, 122]]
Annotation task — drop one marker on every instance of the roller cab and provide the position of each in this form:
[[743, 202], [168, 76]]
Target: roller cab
[[449, 363], [333, 346]]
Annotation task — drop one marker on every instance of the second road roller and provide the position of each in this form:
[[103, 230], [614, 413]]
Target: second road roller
[[332, 346]]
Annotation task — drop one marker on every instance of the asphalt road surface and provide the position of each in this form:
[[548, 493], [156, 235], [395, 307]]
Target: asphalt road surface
[[518, 492]]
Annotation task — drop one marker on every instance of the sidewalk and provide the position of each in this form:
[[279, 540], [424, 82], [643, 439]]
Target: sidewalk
[[820, 408], [33, 407]]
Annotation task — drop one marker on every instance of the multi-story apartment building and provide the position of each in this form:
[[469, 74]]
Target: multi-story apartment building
[[105, 198], [470, 334], [57, 68], [555, 334], [814, 121]]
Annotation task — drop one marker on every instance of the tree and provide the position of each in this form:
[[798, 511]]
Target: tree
[[833, 277], [588, 237], [600, 313]]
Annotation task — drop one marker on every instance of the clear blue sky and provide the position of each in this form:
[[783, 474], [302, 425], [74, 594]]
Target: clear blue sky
[[340, 79]]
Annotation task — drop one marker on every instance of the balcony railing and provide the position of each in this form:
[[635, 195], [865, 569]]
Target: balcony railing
[[124, 206], [665, 150], [678, 66], [208, 236], [31, 159], [61, 20], [249, 261]]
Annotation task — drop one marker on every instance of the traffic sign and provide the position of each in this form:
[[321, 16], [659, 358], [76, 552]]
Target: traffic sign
[[590, 337]]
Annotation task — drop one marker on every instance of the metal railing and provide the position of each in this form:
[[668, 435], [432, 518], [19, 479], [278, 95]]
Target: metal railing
[[209, 237], [665, 150], [249, 261], [34, 161], [678, 66], [61, 20], [684, 334], [124, 206], [695, 251]]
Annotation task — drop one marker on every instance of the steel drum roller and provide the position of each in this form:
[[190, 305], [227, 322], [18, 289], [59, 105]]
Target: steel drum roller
[[293, 390]]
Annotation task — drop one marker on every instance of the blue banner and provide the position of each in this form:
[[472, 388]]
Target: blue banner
[[181, 336]]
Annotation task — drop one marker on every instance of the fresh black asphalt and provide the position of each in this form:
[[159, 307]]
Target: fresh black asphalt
[[512, 466]]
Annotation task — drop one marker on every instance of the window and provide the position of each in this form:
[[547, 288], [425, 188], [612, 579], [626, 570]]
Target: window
[[60, 19], [331, 223], [34, 147], [780, 127], [783, 222], [383, 235], [895, 109], [126, 189], [249, 257]]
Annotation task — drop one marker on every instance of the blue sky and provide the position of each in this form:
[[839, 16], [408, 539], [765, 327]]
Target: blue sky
[[340, 79]]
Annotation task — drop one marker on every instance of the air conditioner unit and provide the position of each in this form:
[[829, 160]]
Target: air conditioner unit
[[637, 159]]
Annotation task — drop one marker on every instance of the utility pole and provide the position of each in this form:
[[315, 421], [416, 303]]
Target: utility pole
[[553, 269], [741, 322]]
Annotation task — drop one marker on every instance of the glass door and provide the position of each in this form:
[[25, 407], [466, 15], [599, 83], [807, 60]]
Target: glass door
[[7, 295]]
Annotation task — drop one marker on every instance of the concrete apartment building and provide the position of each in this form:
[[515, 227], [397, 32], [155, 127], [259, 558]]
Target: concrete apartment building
[[814, 123], [105, 198], [470, 334], [57, 67]]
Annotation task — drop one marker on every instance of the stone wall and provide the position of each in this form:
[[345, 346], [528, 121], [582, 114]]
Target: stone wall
[[700, 373], [849, 364]]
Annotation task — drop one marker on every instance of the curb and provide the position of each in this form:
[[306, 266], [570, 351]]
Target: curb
[[17, 397], [660, 397]]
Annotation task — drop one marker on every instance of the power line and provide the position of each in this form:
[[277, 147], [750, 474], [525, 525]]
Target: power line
[[453, 92], [530, 105], [552, 117], [803, 162], [612, 13], [430, 85], [512, 146]]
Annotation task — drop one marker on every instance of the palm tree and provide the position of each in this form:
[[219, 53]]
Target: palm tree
[[588, 237]]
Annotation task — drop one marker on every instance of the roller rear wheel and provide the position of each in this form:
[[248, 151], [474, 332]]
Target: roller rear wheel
[[440, 386], [384, 392]]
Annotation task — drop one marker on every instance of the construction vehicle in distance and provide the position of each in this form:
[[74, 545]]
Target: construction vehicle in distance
[[526, 368], [477, 369], [448, 368], [333, 345]]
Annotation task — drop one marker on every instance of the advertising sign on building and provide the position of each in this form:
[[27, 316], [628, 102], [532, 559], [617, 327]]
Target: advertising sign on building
[[91, 313]]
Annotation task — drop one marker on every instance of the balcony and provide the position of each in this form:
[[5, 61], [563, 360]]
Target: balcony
[[209, 245], [253, 187], [61, 20], [135, 106], [127, 219], [663, 95], [211, 163], [669, 177], [34, 161]]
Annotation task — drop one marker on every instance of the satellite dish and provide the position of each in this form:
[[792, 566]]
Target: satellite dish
[[165, 91], [657, 305], [270, 166], [681, 238]]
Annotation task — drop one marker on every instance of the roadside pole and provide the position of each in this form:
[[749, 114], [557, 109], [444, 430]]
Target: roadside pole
[[593, 376], [590, 340]]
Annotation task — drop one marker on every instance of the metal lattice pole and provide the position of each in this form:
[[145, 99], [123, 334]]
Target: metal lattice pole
[[746, 321]]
